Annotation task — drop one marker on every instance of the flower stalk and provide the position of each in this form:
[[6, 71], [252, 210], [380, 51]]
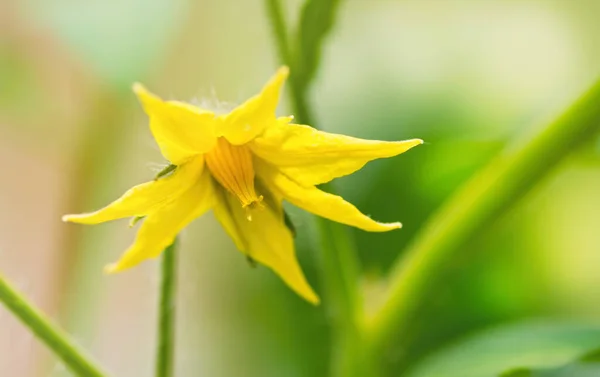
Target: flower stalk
[[300, 103], [341, 267], [58, 341], [166, 312]]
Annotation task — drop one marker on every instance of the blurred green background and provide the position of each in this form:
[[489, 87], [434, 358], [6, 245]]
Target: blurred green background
[[465, 76]]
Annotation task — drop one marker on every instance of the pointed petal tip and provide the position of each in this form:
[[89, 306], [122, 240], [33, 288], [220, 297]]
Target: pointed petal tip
[[309, 295], [112, 268], [138, 88], [385, 227], [82, 218], [79, 219], [279, 78], [406, 145], [144, 95], [284, 70], [413, 142], [314, 299]]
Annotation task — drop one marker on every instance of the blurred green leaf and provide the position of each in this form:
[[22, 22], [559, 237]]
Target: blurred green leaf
[[120, 40], [577, 369], [520, 372], [591, 357], [316, 21], [587, 365], [571, 370], [509, 351]]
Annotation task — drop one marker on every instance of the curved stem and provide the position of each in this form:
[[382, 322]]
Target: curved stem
[[474, 208], [58, 341], [166, 313]]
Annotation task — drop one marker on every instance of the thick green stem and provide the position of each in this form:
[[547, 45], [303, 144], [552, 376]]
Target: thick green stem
[[341, 272], [340, 260], [341, 276], [166, 313], [58, 341], [474, 208]]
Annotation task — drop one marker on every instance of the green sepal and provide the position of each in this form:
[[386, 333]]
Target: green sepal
[[288, 222], [167, 170], [134, 220], [251, 261]]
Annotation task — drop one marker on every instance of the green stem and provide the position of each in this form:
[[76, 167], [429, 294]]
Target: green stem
[[279, 30], [340, 261], [474, 208], [166, 313], [341, 268], [341, 276], [58, 341], [300, 103], [341, 273]]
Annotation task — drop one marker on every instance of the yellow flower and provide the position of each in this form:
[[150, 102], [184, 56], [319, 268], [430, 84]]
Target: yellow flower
[[242, 165]]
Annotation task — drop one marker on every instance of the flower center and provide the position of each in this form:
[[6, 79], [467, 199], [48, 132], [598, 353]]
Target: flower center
[[231, 166]]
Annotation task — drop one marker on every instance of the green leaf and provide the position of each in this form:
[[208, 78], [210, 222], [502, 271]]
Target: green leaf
[[587, 366], [511, 351], [571, 370], [520, 372], [316, 20], [591, 357]]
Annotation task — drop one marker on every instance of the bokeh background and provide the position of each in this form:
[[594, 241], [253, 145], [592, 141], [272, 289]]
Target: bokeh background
[[466, 76]]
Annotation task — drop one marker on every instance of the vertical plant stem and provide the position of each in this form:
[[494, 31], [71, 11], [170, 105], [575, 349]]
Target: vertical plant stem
[[341, 263], [58, 341], [279, 30], [300, 103], [166, 312], [483, 199], [341, 268], [341, 274]]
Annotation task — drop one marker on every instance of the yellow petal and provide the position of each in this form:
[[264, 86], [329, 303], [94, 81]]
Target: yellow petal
[[180, 129], [249, 119], [320, 203], [160, 227], [265, 239], [313, 157], [141, 200]]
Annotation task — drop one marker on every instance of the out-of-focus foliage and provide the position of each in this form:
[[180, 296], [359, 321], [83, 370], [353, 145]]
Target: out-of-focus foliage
[[516, 348], [465, 76], [122, 41]]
